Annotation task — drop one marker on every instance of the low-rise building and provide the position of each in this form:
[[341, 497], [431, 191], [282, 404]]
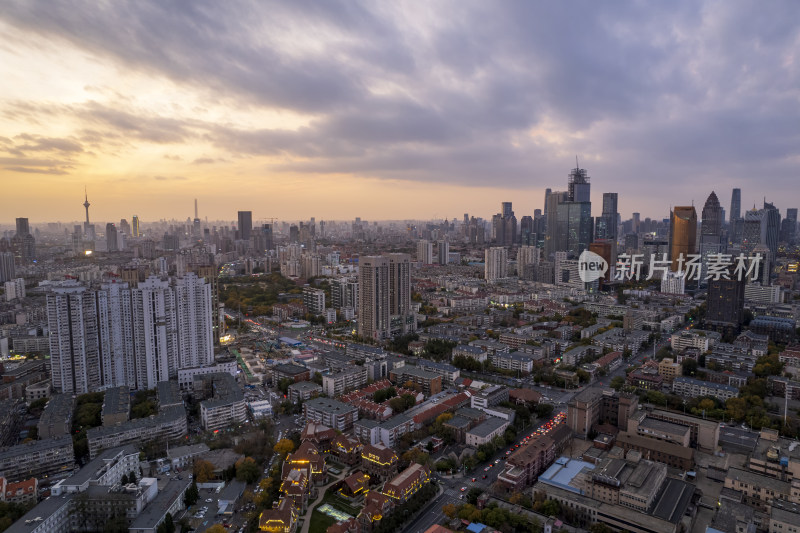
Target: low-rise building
[[20, 492], [515, 361], [486, 431], [429, 383], [53, 457], [695, 388], [407, 483], [292, 372], [168, 425], [349, 378], [303, 391], [489, 397], [116, 406], [225, 404], [379, 461], [56, 419], [332, 413], [669, 369]]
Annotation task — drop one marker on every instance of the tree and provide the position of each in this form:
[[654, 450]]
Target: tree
[[247, 470], [191, 495], [216, 528], [689, 367], [599, 527], [544, 410], [449, 510], [284, 446], [203, 471], [617, 382]]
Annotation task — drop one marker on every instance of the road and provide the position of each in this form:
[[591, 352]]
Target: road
[[451, 486]]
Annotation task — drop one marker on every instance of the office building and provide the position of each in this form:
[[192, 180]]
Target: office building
[[736, 205], [111, 237], [711, 224], [23, 245], [789, 226], [606, 223], [504, 226], [725, 304], [496, 264], [245, 226], [682, 235]]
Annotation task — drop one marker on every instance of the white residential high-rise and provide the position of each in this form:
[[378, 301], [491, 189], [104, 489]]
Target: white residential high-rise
[[72, 320], [344, 293], [443, 248], [193, 304], [425, 252], [119, 336], [155, 332], [496, 263], [7, 271], [15, 289], [673, 283], [116, 335]]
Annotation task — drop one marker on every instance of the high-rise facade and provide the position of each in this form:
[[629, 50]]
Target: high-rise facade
[[402, 318], [135, 230], [504, 226], [425, 252], [443, 252], [682, 235], [527, 231], [194, 309], [344, 293], [789, 226], [496, 263], [245, 225], [23, 243], [606, 224], [75, 363], [736, 205], [711, 225], [373, 297], [118, 336], [111, 237], [7, 270], [527, 261]]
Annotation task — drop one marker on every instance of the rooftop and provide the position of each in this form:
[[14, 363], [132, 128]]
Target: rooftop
[[157, 509], [487, 427], [329, 405], [117, 401]]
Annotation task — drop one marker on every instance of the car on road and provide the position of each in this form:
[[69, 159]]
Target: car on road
[[484, 476], [474, 479], [496, 461], [463, 488]]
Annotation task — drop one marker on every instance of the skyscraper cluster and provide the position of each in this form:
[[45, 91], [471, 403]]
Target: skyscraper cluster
[[117, 335]]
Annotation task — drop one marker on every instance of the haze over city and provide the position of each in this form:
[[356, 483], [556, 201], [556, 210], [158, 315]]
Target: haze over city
[[392, 111]]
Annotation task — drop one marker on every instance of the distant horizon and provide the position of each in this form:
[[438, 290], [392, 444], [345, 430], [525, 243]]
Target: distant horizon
[[393, 111]]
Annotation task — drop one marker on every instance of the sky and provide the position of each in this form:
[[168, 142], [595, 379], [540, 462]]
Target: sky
[[392, 110]]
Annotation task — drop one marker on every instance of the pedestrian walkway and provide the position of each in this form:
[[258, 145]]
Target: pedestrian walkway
[[313, 505]]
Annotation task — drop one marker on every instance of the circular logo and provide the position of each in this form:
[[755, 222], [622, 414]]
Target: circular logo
[[591, 266]]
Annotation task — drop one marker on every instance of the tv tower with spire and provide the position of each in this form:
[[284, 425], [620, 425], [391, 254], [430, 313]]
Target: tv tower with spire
[[88, 228]]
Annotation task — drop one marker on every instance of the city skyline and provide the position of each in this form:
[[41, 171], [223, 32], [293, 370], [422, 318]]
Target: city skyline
[[392, 111]]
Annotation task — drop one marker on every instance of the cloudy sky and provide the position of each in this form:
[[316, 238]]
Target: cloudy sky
[[391, 110]]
